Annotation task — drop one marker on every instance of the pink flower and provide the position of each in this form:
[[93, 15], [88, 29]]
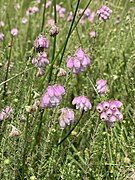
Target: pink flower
[[41, 43], [104, 13], [91, 17], [70, 17], [93, 34], [62, 12], [82, 103], [6, 113], [48, 4], [53, 96], [14, 32], [79, 62], [66, 117], [109, 112], [101, 87]]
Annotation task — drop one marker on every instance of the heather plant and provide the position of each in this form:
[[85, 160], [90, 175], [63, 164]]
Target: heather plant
[[67, 89]]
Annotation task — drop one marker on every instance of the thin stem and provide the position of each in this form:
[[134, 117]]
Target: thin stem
[[43, 16], [54, 44], [109, 149], [69, 33], [92, 84], [7, 70], [71, 130]]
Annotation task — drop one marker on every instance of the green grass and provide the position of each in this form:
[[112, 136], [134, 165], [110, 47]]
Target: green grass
[[92, 151]]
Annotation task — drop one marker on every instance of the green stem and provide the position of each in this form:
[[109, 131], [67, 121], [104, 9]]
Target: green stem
[[43, 16], [7, 71]]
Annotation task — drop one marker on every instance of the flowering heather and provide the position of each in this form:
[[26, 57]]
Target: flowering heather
[[6, 113], [48, 4], [104, 13], [62, 72], [82, 103], [41, 61], [109, 112], [41, 43], [101, 87], [91, 17], [53, 96], [1, 36], [14, 32], [86, 13], [66, 117], [61, 10], [54, 30], [92, 34], [79, 62], [32, 10], [70, 17]]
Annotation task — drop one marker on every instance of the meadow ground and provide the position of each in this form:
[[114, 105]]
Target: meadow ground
[[63, 65]]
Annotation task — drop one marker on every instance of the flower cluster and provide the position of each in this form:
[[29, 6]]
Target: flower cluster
[[41, 62], [101, 87], [87, 15], [54, 30], [104, 13], [92, 34], [70, 16], [61, 10], [1, 36], [66, 117], [79, 62], [6, 113], [32, 10], [41, 43], [53, 96], [82, 103], [109, 112]]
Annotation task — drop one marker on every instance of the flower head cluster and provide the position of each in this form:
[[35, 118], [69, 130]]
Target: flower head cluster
[[53, 96], [14, 32], [1, 36], [70, 16], [41, 63], [82, 103], [79, 62], [48, 3], [41, 43], [61, 10], [6, 113], [66, 117], [109, 112], [54, 30], [87, 15], [42, 60], [104, 13], [101, 87], [32, 10], [92, 34]]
